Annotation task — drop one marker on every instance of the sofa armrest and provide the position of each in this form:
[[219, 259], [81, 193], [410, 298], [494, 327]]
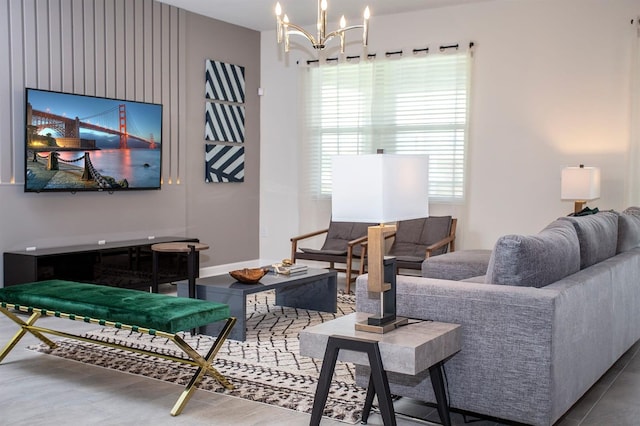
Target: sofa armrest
[[458, 265]]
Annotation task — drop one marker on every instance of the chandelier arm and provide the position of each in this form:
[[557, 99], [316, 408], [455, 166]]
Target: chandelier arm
[[300, 31], [340, 31]]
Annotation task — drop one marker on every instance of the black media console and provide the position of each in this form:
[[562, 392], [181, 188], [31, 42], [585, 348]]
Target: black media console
[[117, 263]]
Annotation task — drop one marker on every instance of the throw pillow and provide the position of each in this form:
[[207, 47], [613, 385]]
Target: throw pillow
[[536, 260], [598, 236], [628, 229], [632, 210]]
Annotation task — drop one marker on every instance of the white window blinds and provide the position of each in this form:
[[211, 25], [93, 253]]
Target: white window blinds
[[415, 105]]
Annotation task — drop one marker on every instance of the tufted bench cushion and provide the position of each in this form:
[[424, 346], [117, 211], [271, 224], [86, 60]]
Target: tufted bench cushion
[[150, 310]]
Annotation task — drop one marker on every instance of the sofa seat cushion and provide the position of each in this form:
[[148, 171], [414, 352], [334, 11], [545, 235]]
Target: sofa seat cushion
[[320, 251], [133, 307], [598, 236], [535, 260], [628, 229], [457, 265]]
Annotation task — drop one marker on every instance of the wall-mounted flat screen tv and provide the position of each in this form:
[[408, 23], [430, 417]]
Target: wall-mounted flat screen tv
[[86, 143]]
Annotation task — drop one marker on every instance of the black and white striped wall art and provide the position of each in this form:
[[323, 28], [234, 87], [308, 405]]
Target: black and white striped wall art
[[224, 82], [224, 163], [224, 123]]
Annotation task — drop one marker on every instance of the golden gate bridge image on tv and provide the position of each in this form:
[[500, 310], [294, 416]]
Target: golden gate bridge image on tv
[[63, 135]]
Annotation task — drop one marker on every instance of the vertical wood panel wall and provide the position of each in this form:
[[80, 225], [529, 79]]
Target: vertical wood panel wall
[[122, 49]]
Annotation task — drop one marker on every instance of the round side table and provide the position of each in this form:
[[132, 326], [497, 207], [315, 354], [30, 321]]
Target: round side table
[[191, 248]]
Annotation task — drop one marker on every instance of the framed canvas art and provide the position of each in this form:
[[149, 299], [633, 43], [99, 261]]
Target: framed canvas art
[[224, 163], [224, 82], [224, 123]]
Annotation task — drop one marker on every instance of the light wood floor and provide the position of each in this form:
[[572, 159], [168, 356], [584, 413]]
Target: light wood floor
[[38, 389]]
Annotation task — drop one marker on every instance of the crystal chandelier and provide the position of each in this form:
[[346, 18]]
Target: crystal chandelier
[[286, 28]]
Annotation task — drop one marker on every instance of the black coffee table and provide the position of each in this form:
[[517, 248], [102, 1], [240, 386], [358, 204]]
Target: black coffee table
[[316, 289]]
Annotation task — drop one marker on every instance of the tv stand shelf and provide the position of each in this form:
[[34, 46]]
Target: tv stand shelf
[[117, 263]]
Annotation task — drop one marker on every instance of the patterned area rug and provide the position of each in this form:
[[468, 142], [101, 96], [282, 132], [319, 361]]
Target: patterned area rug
[[265, 368]]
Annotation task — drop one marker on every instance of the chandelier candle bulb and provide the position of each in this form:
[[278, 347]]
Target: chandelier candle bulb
[[323, 21], [278, 23], [365, 32], [286, 33]]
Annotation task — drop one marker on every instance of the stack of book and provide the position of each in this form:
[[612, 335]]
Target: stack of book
[[283, 269]]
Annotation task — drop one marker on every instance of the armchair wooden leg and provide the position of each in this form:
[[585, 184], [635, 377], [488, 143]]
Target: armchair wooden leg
[[349, 268], [363, 259], [294, 249]]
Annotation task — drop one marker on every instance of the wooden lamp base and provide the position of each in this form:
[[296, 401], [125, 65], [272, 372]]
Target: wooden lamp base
[[386, 321], [578, 206]]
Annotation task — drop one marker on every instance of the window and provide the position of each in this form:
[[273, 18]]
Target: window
[[414, 105]]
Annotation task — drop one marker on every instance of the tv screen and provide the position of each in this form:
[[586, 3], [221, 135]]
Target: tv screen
[[87, 143]]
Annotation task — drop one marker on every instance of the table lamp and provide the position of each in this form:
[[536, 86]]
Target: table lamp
[[380, 188], [580, 184]]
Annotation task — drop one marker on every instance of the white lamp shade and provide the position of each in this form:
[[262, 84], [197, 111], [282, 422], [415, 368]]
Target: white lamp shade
[[580, 183], [380, 188]]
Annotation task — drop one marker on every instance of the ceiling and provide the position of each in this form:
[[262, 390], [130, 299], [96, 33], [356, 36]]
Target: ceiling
[[259, 14]]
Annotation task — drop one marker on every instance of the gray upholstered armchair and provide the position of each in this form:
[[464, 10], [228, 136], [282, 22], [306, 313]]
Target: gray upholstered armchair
[[418, 239], [342, 245]]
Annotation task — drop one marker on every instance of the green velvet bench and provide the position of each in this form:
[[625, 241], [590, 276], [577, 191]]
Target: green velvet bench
[[151, 313]]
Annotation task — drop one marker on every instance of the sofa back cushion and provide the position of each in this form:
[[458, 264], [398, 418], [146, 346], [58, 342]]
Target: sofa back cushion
[[536, 260], [628, 229], [598, 236]]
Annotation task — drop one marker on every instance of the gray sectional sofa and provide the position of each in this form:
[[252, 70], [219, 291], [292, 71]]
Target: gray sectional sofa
[[553, 313]]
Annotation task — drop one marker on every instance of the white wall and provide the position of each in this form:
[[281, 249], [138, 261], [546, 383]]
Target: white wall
[[550, 89]]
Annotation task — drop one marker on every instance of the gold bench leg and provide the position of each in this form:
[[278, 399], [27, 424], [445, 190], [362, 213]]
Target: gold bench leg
[[204, 366], [24, 327]]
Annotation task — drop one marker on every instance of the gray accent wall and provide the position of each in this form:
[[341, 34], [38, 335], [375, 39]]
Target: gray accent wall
[[137, 50]]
